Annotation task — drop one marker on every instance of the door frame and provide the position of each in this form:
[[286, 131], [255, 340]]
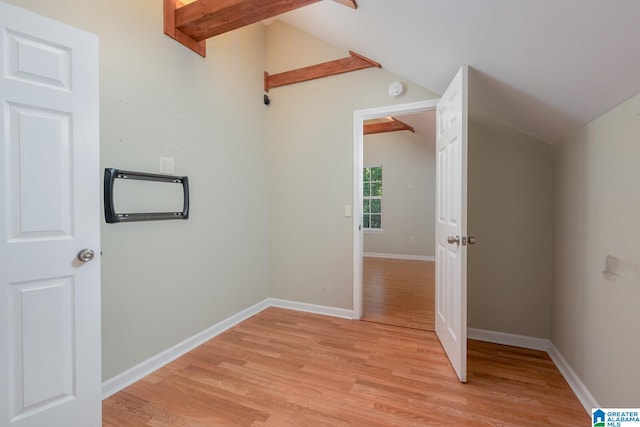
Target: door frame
[[359, 116]]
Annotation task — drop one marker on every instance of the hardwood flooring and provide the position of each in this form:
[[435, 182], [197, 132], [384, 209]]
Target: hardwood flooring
[[399, 292], [287, 368]]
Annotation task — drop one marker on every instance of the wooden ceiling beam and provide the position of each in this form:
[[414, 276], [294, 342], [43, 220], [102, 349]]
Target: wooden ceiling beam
[[331, 68], [349, 3], [170, 7], [203, 19], [193, 23], [393, 125]]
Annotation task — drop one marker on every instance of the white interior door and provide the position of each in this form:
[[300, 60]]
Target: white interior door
[[50, 365], [451, 228]]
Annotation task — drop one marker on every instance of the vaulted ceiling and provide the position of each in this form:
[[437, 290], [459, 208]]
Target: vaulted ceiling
[[544, 67]]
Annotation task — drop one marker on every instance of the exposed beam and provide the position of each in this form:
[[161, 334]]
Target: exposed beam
[[349, 3], [203, 19], [170, 7], [331, 68], [393, 125]]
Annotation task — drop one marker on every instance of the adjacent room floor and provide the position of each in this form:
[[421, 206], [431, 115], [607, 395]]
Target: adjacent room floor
[[288, 368], [399, 292]]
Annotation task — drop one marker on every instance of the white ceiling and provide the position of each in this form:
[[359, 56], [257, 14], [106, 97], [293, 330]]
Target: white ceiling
[[544, 67]]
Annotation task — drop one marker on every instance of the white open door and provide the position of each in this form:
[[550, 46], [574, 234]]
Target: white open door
[[451, 228], [50, 364]]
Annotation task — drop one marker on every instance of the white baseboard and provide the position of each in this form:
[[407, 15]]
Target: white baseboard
[[582, 392], [311, 308], [128, 377], [141, 370], [399, 256], [508, 339]]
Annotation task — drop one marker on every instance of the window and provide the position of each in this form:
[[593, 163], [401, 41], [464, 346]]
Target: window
[[372, 198]]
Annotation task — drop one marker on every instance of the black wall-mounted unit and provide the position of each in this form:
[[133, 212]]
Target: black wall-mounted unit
[[110, 214]]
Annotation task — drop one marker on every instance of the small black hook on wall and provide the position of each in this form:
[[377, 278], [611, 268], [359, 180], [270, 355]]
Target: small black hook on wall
[[267, 101]]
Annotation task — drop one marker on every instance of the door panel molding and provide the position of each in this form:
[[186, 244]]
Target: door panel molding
[[50, 345]]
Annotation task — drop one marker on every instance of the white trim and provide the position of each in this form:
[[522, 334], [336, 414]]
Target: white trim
[[508, 339], [399, 256], [311, 308], [358, 233], [399, 109], [359, 116], [581, 391], [128, 377]]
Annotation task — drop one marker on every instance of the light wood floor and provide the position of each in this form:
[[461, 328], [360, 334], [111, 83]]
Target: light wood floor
[[399, 292], [287, 368]]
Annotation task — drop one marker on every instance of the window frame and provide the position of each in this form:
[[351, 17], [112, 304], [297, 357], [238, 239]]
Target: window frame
[[370, 198]]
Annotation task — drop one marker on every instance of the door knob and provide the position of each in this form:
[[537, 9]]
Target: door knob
[[86, 255], [471, 240], [452, 239]]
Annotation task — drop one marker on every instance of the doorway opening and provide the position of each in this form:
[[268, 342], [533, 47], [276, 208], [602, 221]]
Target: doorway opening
[[394, 270]]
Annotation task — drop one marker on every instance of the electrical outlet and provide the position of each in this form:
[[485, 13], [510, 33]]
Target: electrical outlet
[[167, 165]]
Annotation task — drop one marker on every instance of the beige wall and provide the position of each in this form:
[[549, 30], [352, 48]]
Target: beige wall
[[165, 281], [596, 316], [310, 154], [409, 185], [510, 214]]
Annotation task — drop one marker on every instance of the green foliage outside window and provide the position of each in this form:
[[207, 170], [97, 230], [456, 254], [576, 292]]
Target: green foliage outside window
[[372, 198]]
